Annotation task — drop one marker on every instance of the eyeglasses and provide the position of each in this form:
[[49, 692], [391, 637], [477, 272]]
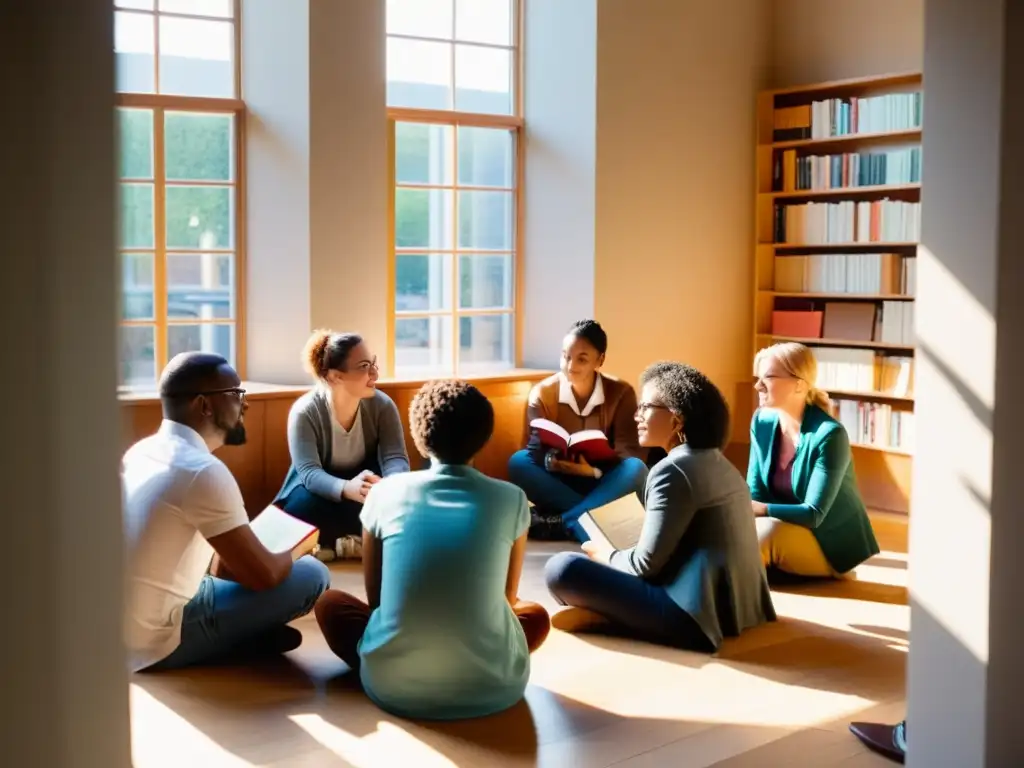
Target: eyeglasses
[[644, 407], [238, 392], [367, 366]]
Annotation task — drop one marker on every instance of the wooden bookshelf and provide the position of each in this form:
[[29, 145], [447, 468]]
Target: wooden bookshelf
[[843, 160]]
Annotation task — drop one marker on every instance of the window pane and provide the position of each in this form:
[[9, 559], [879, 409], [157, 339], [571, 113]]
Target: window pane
[[137, 286], [485, 282], [199, 285], [142, 5], [218, 338], [484, 21], [423, 153], [196, 57], [423, 282], [137, 215], [134, 49], [483, 80], [485, 157], [420, 18], [423, 345], [424, 218], [485, 220], [419, 74], [198, 147], [200, 217], [220, 8], [138, 355], [485, 343], [135, 143]]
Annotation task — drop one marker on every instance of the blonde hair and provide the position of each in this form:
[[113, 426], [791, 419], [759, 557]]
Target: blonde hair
[[799, 362]]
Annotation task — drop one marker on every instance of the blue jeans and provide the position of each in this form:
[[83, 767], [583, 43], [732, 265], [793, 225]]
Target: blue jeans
[[224, 615], [571, 496], [635, 608]]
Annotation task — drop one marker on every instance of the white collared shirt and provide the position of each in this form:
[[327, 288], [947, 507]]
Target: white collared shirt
[[176, 496], [566, 396]]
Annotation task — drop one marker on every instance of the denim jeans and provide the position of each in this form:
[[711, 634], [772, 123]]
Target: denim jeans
[[224, 614], [635, 608], [571, 496], [335, 518]]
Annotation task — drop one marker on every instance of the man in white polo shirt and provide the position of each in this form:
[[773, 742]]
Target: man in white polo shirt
[[182, 505]]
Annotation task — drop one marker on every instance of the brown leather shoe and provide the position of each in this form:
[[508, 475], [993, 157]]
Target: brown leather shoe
[[883, 739]]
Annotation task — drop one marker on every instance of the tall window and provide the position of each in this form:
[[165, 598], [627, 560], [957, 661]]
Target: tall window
[[453, 101], [180, 122]]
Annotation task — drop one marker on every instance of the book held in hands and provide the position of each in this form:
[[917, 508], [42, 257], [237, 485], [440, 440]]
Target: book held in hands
[[591, 444], [280, 532], [616, 524]]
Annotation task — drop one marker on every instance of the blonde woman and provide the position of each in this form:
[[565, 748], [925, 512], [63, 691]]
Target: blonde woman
[[811, 520]]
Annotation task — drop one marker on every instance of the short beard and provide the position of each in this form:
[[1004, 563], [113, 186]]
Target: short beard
[[235, 435]]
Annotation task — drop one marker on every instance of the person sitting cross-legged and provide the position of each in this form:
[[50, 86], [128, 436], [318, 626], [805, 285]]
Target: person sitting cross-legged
[[695, 575], [579, 397], [184, 511], [443, 635]]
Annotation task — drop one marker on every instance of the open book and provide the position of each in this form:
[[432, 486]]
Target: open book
[[280, 532], [617, 523], [591, 444]]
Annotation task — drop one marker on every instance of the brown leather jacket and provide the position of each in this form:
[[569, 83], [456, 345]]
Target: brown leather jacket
[[614, 417]]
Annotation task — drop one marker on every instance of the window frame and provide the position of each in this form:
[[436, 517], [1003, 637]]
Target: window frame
[[160, 104], [514, 123]]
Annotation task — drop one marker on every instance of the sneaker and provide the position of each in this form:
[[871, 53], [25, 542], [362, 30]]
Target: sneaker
[[325, 555], [349, 548]]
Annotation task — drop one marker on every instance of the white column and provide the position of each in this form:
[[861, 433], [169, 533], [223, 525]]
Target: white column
[[65, 686], [966, 520]]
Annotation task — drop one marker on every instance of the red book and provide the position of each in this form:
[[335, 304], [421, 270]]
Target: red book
[[591, 444], [281, 532]]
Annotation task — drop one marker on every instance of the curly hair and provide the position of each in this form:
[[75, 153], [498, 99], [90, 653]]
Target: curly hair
[[592, 332], [450, 420], [691, 396], [328, 351]]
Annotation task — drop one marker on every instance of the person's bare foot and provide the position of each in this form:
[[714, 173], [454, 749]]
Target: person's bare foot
[[578, 620]]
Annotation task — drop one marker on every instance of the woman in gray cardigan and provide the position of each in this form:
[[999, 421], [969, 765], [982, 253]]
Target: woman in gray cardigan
[[343, 437], [695, 575]]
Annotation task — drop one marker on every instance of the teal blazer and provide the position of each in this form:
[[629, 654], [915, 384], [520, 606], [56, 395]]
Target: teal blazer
[[823, 478]]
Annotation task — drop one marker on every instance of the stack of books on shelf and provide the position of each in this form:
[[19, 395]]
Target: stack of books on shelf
[[864, 370], [875, 424], [845, 171], [827, 118], [848, 221], [887, 322], [864, 273]]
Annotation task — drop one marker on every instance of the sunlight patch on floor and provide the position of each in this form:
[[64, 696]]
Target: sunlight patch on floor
[[155, 726], [388, 746]]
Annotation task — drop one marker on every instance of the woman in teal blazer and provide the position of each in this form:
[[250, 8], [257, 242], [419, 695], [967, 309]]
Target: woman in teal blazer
[[811, 520]]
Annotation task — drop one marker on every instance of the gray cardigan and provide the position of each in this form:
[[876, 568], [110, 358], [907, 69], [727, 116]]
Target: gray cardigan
[[699, 541], [310, 440]]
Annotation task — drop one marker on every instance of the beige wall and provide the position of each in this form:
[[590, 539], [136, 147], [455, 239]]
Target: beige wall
[[317, 187], [676, 90], [817, 40]]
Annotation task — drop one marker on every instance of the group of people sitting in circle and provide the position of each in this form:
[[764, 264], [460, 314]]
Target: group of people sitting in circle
[[443, 633]]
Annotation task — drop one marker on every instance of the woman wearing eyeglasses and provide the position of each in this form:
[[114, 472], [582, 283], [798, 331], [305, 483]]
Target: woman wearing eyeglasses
[[811, 520], [695, 575], [343, 436]]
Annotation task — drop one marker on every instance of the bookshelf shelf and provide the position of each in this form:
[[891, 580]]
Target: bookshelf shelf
[[840, 296], [869, 190], [841, 161], [848, 139], [852, 343]]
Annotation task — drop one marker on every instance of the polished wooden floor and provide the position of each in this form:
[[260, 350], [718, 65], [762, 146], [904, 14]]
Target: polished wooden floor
[[782, 695]]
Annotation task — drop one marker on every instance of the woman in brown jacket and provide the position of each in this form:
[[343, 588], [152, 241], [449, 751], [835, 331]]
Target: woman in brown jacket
[[576, 398]]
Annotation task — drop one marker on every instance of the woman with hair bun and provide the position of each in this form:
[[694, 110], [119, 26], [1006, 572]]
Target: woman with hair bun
[[811, 520], [344, 435]]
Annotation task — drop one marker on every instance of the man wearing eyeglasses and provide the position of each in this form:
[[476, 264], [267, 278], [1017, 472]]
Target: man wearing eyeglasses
[[184, 509]]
